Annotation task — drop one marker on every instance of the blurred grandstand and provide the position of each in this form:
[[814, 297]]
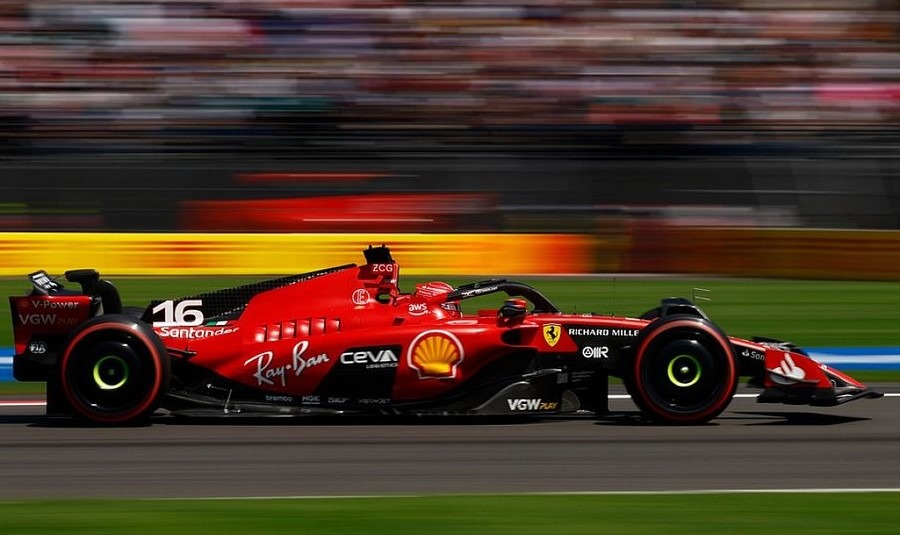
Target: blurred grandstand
[[541, 115]]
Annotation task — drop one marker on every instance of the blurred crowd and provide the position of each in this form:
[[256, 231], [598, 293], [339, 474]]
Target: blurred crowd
[[278, 75]]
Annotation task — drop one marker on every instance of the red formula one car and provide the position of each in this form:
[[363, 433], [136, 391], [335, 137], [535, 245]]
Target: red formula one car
[[346, 339]]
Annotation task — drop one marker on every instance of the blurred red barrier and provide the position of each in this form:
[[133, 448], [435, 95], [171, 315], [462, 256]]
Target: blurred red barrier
[[353, 213], [256, 178]]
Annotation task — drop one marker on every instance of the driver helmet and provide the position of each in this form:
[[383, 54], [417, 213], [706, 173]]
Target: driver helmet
[[428, 290]]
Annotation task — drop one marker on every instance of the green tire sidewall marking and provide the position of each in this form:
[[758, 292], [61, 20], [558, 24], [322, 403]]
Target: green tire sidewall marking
[[671, 371], [100, 381]]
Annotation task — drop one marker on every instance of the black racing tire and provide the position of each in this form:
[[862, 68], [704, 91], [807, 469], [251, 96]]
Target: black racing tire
[[683, 371], [114, 370], [133, 312]]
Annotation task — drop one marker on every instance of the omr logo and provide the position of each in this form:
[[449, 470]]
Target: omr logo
[[435, 355]]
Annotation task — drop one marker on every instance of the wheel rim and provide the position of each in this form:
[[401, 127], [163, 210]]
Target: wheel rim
[[110, 372], [684, 370], [683, 378]]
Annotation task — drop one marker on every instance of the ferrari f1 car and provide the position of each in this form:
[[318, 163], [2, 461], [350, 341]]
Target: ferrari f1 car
[[346, 339]]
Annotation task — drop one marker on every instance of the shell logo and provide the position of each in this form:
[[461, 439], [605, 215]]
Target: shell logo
[[435, 355]]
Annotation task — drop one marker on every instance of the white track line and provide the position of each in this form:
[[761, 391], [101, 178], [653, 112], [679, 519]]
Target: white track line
[[572, 493], [719, 491], [23, 403], [39, 403], [743, 396]]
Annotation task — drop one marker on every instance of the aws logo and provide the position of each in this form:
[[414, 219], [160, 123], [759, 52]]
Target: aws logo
[[435, 355]]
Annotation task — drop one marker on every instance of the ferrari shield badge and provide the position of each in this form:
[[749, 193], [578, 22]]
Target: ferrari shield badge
[[551, 333]]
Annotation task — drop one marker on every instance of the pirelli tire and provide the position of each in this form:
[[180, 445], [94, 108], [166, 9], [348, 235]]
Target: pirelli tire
[[114, 370], [683, 371]]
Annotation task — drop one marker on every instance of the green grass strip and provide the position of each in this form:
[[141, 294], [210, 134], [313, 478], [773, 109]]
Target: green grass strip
[[12, 388], [691, 514]]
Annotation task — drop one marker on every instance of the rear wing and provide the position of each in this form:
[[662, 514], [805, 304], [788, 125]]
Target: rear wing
[[42, 319]]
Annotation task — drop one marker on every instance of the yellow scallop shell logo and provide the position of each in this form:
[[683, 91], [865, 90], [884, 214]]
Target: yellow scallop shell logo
[[435, 355]]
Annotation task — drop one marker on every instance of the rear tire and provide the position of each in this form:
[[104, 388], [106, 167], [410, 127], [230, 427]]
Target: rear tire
[[683, 371], [133, 312], [114, 370]]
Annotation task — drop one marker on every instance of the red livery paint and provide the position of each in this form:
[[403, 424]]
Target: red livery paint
[[348, 339]]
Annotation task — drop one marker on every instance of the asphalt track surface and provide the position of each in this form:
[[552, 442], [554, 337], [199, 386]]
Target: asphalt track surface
[[751, 446]]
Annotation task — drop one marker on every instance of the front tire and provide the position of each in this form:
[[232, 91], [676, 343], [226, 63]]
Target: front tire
[[683, 371], [114, 370]]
